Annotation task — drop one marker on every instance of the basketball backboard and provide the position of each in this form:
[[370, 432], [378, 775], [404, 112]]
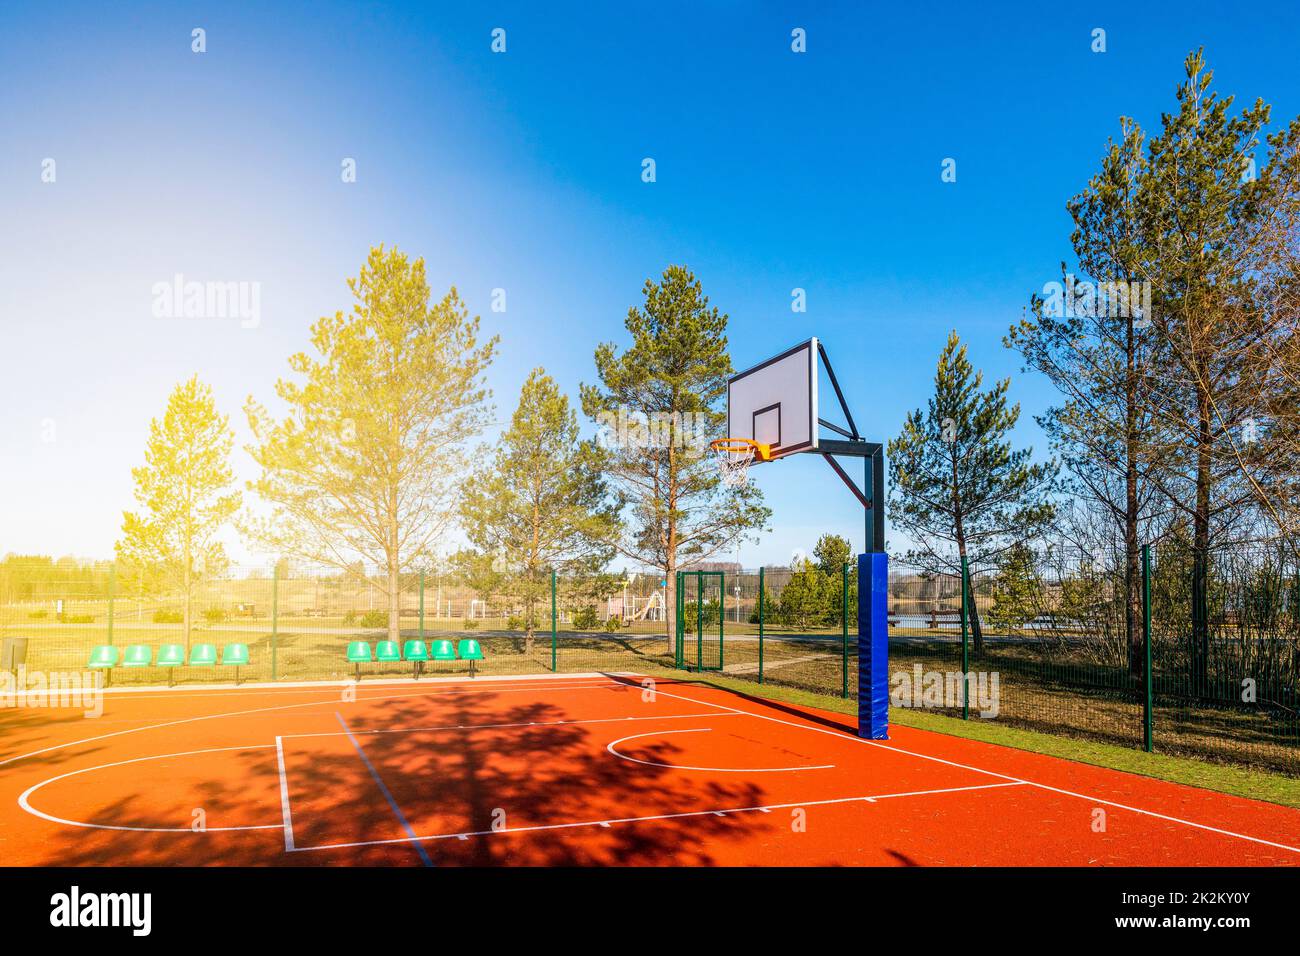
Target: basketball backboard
[[775, 402]]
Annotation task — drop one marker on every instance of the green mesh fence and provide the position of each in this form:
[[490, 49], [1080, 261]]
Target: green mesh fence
[[1057, 634]]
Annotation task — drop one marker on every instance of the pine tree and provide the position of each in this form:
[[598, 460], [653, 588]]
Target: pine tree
[[659, 402], [1204, 221], [1099, 347], [833, 553], [1017, 590], [804, 597], [959, 489], [541, 504]]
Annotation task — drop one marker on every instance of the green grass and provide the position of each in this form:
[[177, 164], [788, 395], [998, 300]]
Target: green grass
[[1238, 781]]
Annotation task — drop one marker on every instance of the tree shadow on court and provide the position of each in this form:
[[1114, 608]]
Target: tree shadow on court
[[842, 724], [532, 794], [27, 729], [537, 794]]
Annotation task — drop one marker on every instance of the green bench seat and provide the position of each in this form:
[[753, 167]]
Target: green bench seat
[[358, 654], [103, 657], [469, 650], [203, 655], [138, 655]]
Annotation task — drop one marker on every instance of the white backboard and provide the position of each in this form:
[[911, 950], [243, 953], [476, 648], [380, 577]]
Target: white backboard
[[775, 402]]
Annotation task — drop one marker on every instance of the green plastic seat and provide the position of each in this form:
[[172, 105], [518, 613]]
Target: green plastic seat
[[103, 657], [470, 651], [171, 655], [386, 652], [442, 651], [358, 654], [203, 655], [417, 653], [138, 655], [234, 655]]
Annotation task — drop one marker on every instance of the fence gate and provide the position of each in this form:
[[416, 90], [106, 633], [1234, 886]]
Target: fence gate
[[700, 620]]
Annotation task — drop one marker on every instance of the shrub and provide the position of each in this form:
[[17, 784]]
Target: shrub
[[469, 624], [78, 619], [374, 619], [350, 617], [614, 624], [586, 619], [771, 612], [39, 614], [164, 616], [515, 622], [216, 615], [712, 612]]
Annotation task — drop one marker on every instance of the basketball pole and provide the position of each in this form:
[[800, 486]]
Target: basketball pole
[[873, 580], [755, 399], [873, 608]]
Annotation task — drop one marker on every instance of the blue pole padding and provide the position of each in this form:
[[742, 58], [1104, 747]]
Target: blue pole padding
[[873, 646]]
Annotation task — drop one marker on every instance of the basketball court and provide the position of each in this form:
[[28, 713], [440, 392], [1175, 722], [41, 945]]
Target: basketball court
[[584, 769], [597, 768]]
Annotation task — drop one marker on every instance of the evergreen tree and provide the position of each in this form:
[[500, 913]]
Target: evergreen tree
[[1099, 347], [1017, 590], [659, 402], [541, 504], [804, 598], [1206, 223], [832, 554], [959, 489]]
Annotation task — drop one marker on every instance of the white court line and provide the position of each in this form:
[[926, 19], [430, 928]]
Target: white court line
[[436, 688], [720, 812], [698, 730], [522, 723], [285, 815], [388, 794], [266, 687], [1042, 786], [24, 800], [287, 819], [264, 710]]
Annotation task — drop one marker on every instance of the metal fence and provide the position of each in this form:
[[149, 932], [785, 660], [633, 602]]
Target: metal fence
[[1046, 638]]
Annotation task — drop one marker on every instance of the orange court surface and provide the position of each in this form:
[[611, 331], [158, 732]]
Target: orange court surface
[[591, 769]]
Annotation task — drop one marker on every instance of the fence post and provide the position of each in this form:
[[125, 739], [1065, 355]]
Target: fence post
[[112, 592], [554, 633], [679, 620], [1147, 701], [275, 619], [965, 642], [762, 598], [422, 605], [844, 630]]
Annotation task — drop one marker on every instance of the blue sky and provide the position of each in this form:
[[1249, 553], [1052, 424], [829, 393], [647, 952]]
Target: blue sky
[[522, 170]]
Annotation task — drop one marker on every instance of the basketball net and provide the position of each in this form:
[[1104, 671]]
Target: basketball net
[[734, 456]]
